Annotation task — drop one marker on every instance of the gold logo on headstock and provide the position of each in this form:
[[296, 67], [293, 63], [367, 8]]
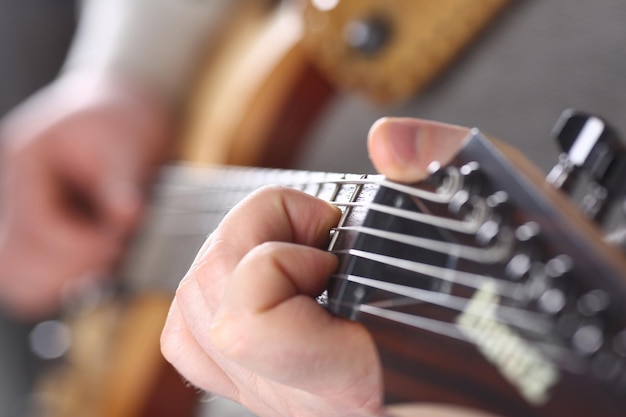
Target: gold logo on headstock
[[522, 364]]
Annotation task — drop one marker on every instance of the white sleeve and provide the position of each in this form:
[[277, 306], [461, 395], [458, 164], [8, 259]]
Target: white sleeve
[[157, 42]]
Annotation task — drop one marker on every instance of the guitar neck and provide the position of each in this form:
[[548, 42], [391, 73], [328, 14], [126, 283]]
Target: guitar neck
[[188, 202]]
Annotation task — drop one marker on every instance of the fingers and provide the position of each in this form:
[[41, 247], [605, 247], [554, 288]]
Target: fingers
[[402, 148], [290, 269], [99, 180], [74, 161], [269, 322], [247, 304], [178, 344], [42, 251], [272, 214]]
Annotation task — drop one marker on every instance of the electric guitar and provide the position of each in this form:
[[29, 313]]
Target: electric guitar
[[483, 286]]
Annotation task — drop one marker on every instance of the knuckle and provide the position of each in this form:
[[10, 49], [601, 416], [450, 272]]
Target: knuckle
[[231, 337]]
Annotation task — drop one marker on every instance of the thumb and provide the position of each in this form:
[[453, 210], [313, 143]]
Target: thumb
[[402, 148]]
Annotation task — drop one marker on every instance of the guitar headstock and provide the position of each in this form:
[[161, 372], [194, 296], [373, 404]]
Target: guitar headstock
[[485, 286]]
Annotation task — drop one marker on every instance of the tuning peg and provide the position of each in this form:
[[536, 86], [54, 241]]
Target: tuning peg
[[590, 143], [473, 179], [591, 146], [587, 141], [562, 174]]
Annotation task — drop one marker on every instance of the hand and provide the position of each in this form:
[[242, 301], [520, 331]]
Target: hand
[[74, 160], [244, 323]]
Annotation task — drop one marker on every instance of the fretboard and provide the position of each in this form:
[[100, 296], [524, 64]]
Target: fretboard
[[189, 202]]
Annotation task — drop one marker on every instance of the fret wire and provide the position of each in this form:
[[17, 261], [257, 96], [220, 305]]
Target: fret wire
[[467, 279], [490, 255], [318, 190], [332, 199], [523, 319], [175, 209], [213, 188], [335, 194], [342, 219]]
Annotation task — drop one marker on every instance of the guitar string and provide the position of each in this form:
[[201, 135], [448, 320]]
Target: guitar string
[[467, 279], [419, 217], [422, 218], [564, 357], [523, 319], [378, 180], [466, 227], [489, 255], [471, 280], [244, 191]]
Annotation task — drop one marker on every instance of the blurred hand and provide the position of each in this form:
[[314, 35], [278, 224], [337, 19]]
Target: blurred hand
[[73, 165], [244, 323]]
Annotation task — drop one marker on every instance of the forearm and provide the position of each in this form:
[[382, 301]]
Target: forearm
[[156, 43]]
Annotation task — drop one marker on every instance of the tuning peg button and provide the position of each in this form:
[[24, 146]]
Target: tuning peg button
[[518, 267], [488, 233], [559, 266], [585, 139], [592, 145], [528, 232], [473, 179], [619, 343], [588, 339], [460, 204], [593, 302]]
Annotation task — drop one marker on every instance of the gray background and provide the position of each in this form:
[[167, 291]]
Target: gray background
[[34, 36]]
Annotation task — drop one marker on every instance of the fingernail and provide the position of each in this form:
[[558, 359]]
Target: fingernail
[[403, 141]]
